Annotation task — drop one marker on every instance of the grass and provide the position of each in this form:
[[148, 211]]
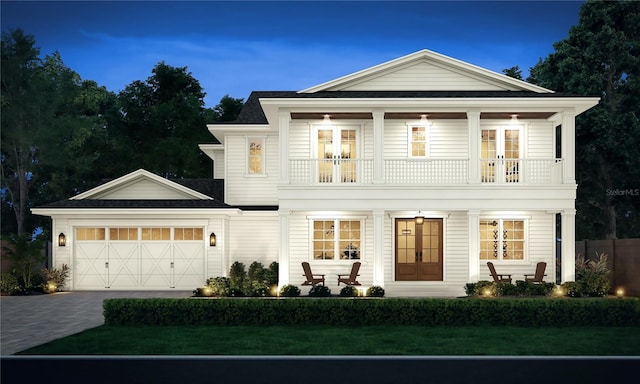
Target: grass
[[449, 341]]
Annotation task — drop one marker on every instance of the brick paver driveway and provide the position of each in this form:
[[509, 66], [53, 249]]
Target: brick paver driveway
[[27, 321]]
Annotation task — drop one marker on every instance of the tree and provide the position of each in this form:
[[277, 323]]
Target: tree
[[227, 109], [24, 114], [514, 72], [601, 57], [25, 254], [164, 120]]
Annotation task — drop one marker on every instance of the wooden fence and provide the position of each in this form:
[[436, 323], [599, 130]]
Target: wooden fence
[[623, 261]]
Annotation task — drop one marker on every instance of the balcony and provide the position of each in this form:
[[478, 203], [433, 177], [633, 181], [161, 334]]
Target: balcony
[[415, 171]]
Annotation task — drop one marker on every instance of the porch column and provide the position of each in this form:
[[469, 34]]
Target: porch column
[[284, 118], [378, 147], [283, 259], [473, 122], [568, 254], [378, 247], [474, 245], [568, 147]]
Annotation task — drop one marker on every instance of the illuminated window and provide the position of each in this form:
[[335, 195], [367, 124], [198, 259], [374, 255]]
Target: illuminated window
[[90, 233], [502, 239], [186, 234], [419, 141], [156, 234], [256, 155], [337, 239], [118, 234]]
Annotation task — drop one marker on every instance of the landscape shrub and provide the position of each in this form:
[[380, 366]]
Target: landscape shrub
[[257, 282], [349, 291], [9, 284], [55, 278], [520, 312], [289, 290], [528, 288], [319, 291], [571, 289], [592, 275], [237, 279], [375, 291]]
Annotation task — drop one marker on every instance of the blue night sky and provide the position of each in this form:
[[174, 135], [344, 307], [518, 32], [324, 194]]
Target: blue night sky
[[236, 47]]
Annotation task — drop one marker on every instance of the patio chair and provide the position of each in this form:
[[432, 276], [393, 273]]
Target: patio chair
[[537, 277], [311, 278], [350, 279], [496, 277]]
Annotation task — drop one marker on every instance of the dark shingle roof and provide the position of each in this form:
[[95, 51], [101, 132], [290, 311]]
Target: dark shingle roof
[[97, 203], [252, 112]]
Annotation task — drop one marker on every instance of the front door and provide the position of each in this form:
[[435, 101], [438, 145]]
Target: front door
[[419, 250], [337, 157]]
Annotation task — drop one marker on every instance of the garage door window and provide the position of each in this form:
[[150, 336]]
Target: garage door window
[[156, 234], [90, 233], [187, 234], [123, 234]]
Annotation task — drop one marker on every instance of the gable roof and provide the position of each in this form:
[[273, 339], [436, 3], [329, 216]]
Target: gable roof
[[122, 187], [424, 71]]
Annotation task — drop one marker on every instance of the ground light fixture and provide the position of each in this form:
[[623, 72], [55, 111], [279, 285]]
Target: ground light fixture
[[212, 240], [62, 240], [620, 292]]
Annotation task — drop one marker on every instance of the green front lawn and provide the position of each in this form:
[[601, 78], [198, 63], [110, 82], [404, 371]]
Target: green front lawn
[[325, 340]]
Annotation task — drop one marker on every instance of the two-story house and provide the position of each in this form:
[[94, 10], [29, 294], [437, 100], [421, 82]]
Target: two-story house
[[422, 168]]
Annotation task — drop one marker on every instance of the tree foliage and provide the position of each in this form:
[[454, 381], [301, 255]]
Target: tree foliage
[[62, 135], [601, 57]]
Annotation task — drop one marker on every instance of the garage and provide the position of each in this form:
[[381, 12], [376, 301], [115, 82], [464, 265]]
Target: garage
[[138, 257]]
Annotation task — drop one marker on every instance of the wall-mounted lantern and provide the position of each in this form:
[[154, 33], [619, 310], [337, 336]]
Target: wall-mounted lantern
[[419, 219], [212, 240], [62, 240]]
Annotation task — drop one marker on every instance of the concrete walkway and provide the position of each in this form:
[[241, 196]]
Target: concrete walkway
[[28, 321]]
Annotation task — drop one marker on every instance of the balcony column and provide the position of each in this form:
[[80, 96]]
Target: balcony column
[[473, 121], [568, 147], [568, 251], [474, 245], [284, 118], [283, 259], [378, 247], [378, 147]]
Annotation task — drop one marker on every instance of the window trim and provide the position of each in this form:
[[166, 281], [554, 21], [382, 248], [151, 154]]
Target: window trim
[[312, 219], [248, 140], [427, 139], [526, 239]]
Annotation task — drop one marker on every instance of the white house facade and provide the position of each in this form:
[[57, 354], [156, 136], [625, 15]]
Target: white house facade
[[423, 169]]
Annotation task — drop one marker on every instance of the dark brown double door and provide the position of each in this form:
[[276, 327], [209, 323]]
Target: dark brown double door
[[418, 250]]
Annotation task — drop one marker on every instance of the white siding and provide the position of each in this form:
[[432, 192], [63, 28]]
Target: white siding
[[540, 140], [253, 237], [218, 165], [448, 139], [144, 190], [245, 189], [300, 140], [423, 76]]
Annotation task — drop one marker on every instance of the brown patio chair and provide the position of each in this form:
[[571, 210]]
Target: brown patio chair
[[537, 277], [311, 278], [496, 277], [350, 279]]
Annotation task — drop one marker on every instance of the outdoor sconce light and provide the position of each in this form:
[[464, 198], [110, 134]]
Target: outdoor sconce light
[[212, 240], [424, 121], [419, 219], [62, 240]]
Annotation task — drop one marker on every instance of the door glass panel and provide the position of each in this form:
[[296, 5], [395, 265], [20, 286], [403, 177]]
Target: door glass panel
[[348, 155], [325, 155], [406, 240], [488, 152]]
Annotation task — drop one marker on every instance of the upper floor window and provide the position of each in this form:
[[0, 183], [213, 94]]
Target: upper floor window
[[419, 138], [337, 239], [255, 160], [502, 239]]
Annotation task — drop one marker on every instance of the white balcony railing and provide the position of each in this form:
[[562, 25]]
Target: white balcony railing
[[424, 171], [521, 171]]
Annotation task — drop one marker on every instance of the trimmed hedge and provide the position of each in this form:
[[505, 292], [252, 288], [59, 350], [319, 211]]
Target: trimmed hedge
[[370, 312]]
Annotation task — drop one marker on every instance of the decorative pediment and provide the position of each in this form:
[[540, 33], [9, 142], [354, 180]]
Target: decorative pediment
[[141, 185], [426, 71]]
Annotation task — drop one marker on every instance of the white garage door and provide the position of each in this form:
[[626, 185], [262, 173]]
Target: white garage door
[[150, 258]]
